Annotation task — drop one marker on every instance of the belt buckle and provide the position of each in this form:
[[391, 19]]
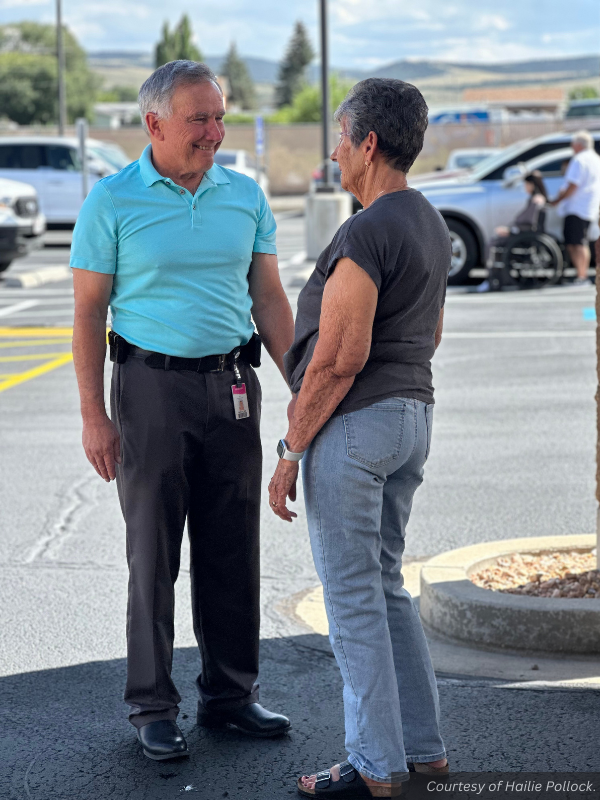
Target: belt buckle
[[221, 366]]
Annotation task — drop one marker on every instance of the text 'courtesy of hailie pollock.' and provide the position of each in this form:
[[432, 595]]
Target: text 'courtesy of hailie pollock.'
[[520, 786]]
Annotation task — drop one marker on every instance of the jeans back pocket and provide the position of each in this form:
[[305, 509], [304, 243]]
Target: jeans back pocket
[[374, 434]]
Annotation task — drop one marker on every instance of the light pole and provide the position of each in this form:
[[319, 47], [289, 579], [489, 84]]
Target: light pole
[[327, 185], [60, 52]]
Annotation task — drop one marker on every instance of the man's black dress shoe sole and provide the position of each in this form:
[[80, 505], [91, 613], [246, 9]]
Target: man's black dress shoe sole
[[222, 723], [167, 757]]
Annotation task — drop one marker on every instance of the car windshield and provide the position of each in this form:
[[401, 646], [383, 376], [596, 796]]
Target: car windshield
[[113, 156], [468, 161], [494, 161]]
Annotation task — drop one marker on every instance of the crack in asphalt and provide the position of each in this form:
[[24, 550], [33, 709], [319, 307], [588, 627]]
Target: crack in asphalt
[[78, 501]]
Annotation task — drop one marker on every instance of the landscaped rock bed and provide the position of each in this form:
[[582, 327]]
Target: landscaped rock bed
[[558, 574]]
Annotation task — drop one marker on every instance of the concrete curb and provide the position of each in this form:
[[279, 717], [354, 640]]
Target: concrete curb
[[453, 606], [38, 277]]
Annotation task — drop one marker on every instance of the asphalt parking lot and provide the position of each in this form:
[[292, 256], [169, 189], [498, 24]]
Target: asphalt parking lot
[[513, 455]]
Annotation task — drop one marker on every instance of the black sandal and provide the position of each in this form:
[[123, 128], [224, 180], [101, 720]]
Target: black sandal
[[350, 785]]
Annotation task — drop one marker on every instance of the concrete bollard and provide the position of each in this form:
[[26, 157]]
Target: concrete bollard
[[325, 212]]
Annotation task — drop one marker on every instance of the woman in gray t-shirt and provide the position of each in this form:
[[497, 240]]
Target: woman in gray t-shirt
[[369, 321]]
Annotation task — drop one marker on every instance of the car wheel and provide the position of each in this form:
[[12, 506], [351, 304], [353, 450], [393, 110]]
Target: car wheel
[[4, 265], [464, 252]]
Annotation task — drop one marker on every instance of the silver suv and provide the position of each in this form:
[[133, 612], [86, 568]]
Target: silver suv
[[475, 202]]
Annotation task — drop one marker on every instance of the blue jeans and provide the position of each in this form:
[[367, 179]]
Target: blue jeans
[[360, 474]]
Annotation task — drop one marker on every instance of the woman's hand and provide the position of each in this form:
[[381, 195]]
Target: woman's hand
[[282, 486]]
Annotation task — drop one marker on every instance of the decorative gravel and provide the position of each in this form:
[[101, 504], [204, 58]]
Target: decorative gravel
[[557, 574]]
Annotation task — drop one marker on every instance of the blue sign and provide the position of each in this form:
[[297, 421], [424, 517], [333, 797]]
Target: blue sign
[[259, 136]]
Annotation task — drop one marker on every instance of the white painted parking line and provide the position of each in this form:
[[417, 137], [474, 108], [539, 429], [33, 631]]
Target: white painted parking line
[[7, 311], [517, 334]]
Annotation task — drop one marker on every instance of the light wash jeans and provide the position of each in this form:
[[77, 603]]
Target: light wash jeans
[[360, 474]]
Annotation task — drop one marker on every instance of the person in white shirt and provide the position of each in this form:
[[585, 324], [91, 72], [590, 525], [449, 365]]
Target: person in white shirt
[[580, 202]]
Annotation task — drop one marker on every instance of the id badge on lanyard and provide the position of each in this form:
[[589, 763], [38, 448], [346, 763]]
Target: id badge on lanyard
[[238, 391]]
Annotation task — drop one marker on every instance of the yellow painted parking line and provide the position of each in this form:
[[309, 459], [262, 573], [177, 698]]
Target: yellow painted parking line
[[35, 343], [21, 377], [33, 356], [37, 332]]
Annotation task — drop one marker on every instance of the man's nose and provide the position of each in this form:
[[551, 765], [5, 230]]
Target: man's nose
[[213, 131]]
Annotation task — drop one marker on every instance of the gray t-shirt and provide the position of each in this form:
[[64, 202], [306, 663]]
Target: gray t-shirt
[[403, 244]]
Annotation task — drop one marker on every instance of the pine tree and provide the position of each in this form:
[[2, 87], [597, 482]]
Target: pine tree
[[241, 86], [176, 44], [292, 71]]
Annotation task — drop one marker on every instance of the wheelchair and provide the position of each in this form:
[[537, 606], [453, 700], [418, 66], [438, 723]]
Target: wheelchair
[[527, 259]]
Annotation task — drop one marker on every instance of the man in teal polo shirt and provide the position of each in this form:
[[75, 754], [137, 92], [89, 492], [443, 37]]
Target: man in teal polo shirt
[[184, 253]]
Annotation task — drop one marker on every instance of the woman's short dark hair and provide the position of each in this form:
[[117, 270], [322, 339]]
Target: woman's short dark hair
[[396, 111], [535, 178]]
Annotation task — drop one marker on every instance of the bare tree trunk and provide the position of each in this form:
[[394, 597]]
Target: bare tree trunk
[[598, 402]]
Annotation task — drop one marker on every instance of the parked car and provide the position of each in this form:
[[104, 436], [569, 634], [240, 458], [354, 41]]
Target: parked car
[[466, 158], [242, 161], [475, 202], [21, 222], [51, 164], [583, 114]]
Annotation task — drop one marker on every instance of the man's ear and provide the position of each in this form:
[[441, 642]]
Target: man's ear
[[154, 124]]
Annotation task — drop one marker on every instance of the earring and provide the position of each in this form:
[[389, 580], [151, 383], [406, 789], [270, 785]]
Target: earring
[[367, 163]]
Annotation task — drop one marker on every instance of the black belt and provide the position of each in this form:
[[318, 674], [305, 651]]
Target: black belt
[[121, 349], [204, 364]]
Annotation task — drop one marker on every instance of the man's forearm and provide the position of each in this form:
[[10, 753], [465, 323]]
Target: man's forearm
[[275, 324], [321, 393], [89, 353]]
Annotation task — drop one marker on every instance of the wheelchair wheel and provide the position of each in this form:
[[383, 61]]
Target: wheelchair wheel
[[533, 259]]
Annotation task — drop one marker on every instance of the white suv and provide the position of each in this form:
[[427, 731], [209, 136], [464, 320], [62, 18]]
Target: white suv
[[475, 202], [52, 166], [21, 223]]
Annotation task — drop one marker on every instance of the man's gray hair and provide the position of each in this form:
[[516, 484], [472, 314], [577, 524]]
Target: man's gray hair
[[584, 139], [157, 91], [396, 111]]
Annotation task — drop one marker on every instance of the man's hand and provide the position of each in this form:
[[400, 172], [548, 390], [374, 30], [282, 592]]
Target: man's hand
[[102, 446], [282, 486]]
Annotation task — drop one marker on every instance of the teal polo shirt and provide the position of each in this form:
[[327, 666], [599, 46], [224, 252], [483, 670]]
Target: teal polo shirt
[[180, 261]]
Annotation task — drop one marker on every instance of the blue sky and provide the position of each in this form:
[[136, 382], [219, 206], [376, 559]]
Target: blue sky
[[364, 33]]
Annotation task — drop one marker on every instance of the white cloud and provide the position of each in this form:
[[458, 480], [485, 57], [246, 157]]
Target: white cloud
[[22, 3], [492, 21]]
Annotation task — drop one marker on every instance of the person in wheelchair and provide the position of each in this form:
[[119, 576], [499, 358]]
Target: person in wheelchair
[[529, 219]]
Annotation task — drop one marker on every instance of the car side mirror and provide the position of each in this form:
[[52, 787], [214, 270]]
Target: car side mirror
[[512, 175]]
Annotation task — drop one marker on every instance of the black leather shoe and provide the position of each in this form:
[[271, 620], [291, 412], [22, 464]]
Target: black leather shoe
[[162, 740], [252, 719]]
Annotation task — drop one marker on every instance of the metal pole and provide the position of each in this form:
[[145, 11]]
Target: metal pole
[[60, 49], [325, 112], [82, 131]]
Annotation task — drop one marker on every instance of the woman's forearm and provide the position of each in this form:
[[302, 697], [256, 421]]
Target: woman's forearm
[[321, 393]]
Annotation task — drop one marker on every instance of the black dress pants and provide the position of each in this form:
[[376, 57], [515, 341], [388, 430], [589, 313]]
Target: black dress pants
[[184, 455]]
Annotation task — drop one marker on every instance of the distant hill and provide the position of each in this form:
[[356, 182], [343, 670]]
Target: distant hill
[[439, 80]]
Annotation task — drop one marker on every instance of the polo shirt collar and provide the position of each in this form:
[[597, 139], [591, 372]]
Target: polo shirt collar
[[216, 174]]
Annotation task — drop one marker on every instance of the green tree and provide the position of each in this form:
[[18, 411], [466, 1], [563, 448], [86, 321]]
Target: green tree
[[292, 70], [306, 106], [241, 87], [583, 93], [177, 43], [118, 94], [29, 75]]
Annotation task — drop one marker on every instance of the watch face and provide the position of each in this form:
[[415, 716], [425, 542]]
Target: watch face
[[280, 448]]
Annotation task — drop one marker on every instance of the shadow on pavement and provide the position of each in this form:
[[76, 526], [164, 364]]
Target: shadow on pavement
[[64, 733]]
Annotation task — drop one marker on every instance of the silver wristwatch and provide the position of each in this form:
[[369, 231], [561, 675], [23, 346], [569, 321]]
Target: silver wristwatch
[[288, 455]]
